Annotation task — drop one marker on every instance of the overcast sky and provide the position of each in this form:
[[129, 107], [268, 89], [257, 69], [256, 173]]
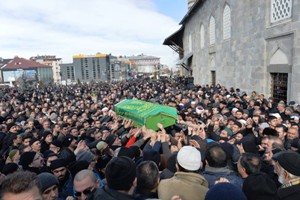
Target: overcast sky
[[68, 27]]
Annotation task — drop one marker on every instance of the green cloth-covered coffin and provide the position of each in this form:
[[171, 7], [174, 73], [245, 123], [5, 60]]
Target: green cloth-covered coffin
[[146, 113]]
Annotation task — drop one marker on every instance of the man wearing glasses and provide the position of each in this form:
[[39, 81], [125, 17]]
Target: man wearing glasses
[[86, 185]]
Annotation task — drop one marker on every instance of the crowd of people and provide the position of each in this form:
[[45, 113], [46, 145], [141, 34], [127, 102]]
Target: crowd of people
[[67, 142]]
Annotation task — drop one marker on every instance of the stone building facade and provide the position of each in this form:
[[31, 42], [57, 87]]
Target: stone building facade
[[249, 44]]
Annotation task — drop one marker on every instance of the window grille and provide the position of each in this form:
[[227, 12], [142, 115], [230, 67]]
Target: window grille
[[279, 86], [280, 9]]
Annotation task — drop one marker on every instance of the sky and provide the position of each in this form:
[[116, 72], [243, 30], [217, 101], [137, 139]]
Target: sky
[[69, 27]]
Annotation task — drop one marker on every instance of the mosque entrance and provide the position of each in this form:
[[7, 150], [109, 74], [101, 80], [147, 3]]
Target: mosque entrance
[[279, 86]]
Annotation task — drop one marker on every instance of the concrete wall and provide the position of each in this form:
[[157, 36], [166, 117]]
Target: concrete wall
[[97, 69]]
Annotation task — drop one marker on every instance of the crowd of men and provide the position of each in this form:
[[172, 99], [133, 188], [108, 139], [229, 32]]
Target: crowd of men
[[66, 142]]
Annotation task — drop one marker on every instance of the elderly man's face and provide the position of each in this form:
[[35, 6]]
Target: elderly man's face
[[280, 172], [38, 161]]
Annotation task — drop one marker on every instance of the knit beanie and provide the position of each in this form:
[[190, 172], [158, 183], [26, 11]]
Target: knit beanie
[[33, 140], [45, 134], [85, 155], [289, 160], [225, 191], [26, 159], [10, 125], [47, 180], [110, 139], [56, 143], [249, 146], [58, 163], [124, 151], [12, 153], [77, 166], [68, 140], [259, 186], [10, 168], [151, 155], [49, 153], [120, 173]]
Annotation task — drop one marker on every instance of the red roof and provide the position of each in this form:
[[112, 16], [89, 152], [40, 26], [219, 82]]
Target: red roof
[[22, 63]]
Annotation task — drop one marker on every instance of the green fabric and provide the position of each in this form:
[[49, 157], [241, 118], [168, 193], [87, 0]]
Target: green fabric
[[146, 113]]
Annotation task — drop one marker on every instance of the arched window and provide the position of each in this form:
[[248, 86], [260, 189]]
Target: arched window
[[212, 31], [201, 36], [226, 23]]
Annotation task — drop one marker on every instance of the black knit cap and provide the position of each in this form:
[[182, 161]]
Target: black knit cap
[[152, 156], [289, 160], [259, 186], [110, 139], [57, 143], [45, 134], [10, 125], [26, 159], [68, 140], [10, 168], [77, 166], [120, 173], [33, 140], [124, 151], [58, 163], [225, 191]]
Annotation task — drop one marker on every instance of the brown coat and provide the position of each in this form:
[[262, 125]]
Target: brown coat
[[188, 186]]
